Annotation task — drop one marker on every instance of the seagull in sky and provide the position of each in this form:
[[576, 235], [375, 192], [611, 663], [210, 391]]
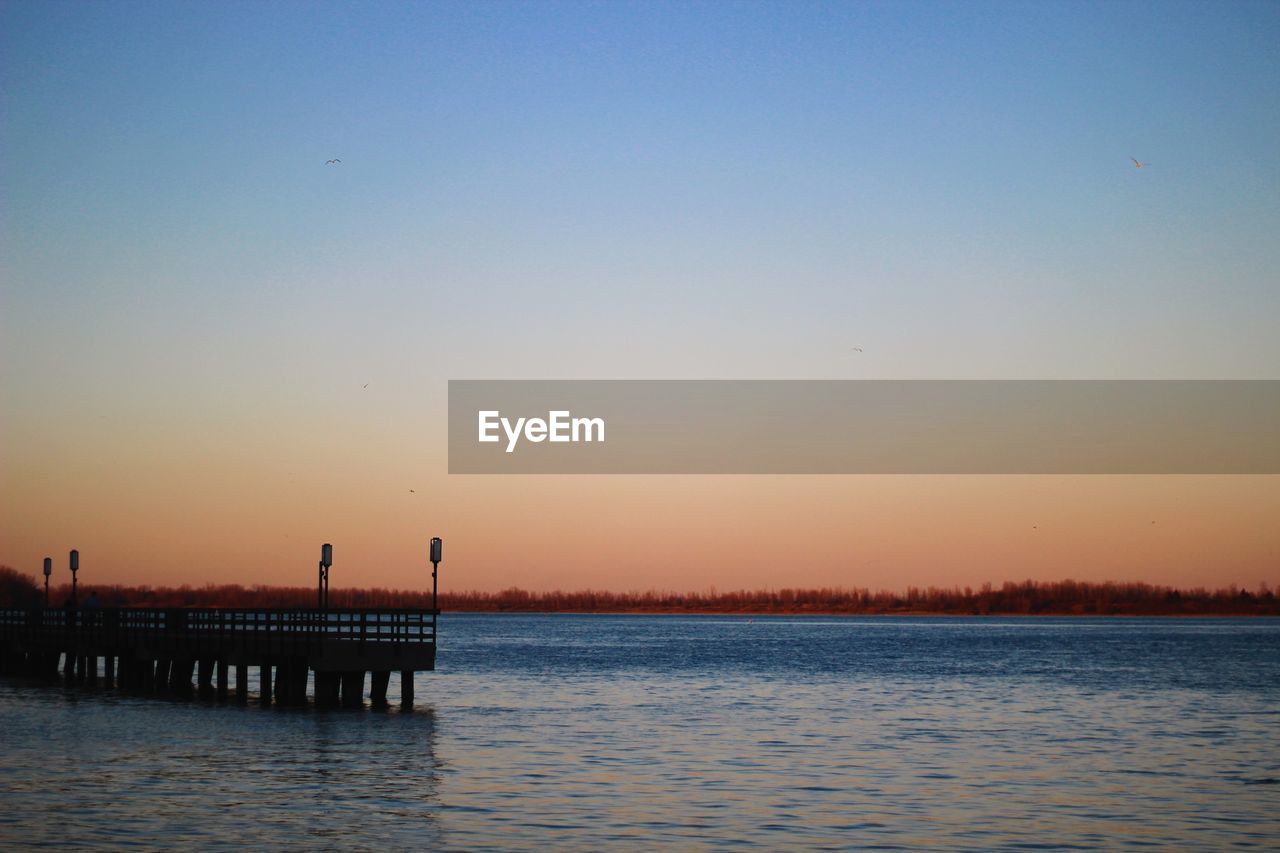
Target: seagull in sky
[[1137, 164], [856, 349], [365, 385], [332, 162]]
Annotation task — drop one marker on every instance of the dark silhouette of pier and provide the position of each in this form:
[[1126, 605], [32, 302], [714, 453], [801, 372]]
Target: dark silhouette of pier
[[165, 649]]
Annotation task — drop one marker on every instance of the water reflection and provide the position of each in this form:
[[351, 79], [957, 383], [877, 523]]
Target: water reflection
[[111, 769]]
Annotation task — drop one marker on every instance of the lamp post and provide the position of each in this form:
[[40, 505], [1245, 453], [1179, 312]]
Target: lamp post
[[436, 548], [48, 570], [75, 567], [326, 560]]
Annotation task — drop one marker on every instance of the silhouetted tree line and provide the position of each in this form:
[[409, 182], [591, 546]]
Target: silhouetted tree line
[[18, 590], [1027, 597], [1062, 598]]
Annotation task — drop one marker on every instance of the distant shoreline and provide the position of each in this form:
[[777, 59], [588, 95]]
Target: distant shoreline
[[1025, 598], [914, 614]]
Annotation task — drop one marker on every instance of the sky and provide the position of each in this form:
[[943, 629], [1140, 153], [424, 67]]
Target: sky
[[218, 352]]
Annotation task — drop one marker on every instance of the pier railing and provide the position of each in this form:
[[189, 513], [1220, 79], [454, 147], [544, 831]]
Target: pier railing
[[290, 628]]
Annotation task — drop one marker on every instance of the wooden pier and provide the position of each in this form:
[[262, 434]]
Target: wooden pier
[[193, 651]]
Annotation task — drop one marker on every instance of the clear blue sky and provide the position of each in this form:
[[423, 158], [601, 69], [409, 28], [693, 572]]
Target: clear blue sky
[[608, 190], [776, 178]]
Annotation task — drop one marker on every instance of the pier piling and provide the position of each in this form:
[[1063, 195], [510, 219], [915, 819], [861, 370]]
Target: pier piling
[[264, 683], [160, 677], [180, 676], [378, 681], [327, 689], [353, 689], [406, 688], [204, 678]]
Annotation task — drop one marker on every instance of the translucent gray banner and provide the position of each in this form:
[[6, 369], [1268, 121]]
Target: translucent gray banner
[[864, 427]]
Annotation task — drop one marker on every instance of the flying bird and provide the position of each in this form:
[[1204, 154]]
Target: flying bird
[[332, 162], [365, 385], [1138, 164], [856, 349]]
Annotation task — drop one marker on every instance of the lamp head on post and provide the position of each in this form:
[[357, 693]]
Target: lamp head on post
[[75, 567], [322, 591], [435, 549], [48, 566]]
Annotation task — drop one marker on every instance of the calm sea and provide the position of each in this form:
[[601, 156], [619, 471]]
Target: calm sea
[[590, 732]]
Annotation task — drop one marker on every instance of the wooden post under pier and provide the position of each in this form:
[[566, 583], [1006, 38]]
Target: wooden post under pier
[[180, 676], [160, 678], [291, 682], [378, 681], [281, 683], [353, 689], [327, 689], [204, 678], [264, 683], [406, 689], [298, 681]]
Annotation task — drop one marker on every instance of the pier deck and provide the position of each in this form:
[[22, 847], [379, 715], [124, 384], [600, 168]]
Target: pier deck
[[165, 648]]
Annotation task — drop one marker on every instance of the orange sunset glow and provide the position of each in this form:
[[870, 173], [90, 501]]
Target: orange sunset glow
[[680, 533]]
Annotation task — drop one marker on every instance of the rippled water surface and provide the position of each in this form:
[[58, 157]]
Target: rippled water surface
[[583, 732]]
